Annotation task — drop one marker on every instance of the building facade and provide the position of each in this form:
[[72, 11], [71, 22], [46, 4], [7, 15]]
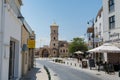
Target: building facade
[[110, 26], [56, 48], [15, 57], [98, 28], [26, 52], [96, 31], [63, 49], [10, 39], [111, 21], [111, 29]]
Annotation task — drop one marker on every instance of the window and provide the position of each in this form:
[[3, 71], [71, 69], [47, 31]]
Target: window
[[112, 22], [54, 31], [100, 16], [111, 5], [100, 29], [54, 38], [61, 51], [54, 44]]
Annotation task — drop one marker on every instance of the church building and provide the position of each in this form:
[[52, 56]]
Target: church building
[[57, 48]]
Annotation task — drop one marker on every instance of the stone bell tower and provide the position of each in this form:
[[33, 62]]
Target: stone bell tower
[[54, 40]]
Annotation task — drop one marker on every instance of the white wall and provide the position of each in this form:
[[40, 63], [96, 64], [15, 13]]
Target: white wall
[[105, 20], [12, 29], [1, 34]]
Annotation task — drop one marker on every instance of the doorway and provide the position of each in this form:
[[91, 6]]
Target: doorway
[[45, 53], [11, 60]]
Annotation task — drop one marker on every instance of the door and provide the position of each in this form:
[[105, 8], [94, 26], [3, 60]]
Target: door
[[11, 60]]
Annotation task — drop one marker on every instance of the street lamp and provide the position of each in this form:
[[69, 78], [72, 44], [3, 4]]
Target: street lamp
[[92, 21]]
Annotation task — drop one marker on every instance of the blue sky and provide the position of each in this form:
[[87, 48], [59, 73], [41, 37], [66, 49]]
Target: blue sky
[[70, 15]]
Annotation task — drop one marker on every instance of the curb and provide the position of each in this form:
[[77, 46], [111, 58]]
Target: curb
[[51, 74], [48, 72], [54, 76]]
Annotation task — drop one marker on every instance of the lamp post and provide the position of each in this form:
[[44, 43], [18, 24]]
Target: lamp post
[[92, 21]]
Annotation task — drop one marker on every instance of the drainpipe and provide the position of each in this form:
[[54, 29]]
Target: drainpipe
[[2, 36]]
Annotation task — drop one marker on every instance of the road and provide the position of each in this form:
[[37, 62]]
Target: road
[[67, 73]]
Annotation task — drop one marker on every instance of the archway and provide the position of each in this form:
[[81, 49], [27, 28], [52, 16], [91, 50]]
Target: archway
[[45, 53]]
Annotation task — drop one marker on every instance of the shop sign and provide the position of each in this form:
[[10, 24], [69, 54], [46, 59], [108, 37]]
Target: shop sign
[[31, 43]]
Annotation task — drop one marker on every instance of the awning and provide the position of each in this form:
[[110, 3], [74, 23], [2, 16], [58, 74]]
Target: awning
[[107, 47]]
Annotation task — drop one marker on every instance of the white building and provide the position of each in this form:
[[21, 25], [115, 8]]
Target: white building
[[111, 30], [98, 28], [10, 39], [111, 23]]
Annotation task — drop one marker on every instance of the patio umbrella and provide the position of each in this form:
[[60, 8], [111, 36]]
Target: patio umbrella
[[107, 47], [94, 50], [78, 52]]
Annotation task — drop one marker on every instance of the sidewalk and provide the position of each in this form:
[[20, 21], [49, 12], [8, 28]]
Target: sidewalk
[[37, 73]]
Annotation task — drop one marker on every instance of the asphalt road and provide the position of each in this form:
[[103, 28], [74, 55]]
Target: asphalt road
[[67, 73]]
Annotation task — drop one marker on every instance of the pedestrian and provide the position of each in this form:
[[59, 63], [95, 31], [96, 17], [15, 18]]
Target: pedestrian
[[99, 66], [105, 67]]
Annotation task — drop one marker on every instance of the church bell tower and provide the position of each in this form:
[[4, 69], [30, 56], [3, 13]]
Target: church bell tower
[[54, 40]]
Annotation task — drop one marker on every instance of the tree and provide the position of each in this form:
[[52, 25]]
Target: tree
[[77, 44]]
